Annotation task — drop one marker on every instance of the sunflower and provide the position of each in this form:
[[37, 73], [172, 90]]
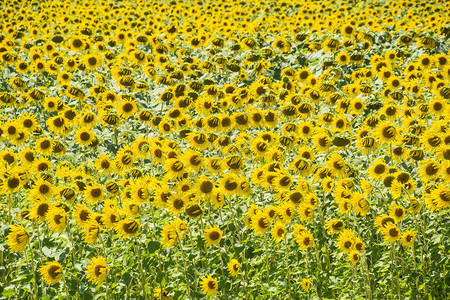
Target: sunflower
[[278, 231], [397, 212], [51, 272], [408, 238], [92, 61], [128, 227], [18, 238], [212, 235], [28, 122], [42, 189], [334, 226], [387, 133], [304, 239], [11, 183], [209, 285], [91, 230], [233, 267], [354, 257], [84, 136], [428, 170], [97, 270], [336, 164], [56, 218], [306, 284], [176, 204], [441, 196], [103, 164], [391, 233], [40, 210], [378, 169], [346, 241], [260, 222], [126, 107], [192, 160], [169, 236]]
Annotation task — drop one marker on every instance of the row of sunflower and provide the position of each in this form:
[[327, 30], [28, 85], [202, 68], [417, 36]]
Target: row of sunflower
[[177, 150]]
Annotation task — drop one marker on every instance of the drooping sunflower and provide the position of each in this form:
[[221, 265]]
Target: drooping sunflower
[[97, 270], [51, 272], [40, 210], [56, 218], [18, 238], [278, 232], [233, 267], [408, 238], [128, 227], [91, 230], [354, 256]]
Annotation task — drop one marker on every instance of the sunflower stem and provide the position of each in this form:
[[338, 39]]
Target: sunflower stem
[[188, 286], [267, 259], [141, 271], [286, 254], [33, 270], [353, 281]]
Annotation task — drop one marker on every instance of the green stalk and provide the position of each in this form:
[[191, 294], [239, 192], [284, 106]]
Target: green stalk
[[141, 271], [286, 255], [33, 270]]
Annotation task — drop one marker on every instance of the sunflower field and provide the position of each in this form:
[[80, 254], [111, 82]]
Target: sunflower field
[[155, 149]]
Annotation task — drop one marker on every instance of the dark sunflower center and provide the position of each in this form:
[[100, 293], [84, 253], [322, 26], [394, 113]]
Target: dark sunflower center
[[431, 169], [285, 181], [393, 232], [177, 167], [211, 285], [178, 204], [206, 187], [214, 235], [92, 61], [57, 219], [42, 167], [105, 164], [96, 192], [130, 227], [128, 107], [54, 272], [84, 215], [379, 169], [98, 270], [390, 111], [399, 212], [434, 141], [262, 223], [445, 196], [347, 244], [280, 232], [306, 241], [388, 132], [42, 209], [13, 182], [44, 189], [337, 225], [85, 136], [77, 43]]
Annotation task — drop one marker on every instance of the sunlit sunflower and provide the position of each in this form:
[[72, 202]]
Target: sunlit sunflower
[[233, 267], [209, 285], [212, 235], [51, 272], [97, 270], [128, 227], [18, 238]]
